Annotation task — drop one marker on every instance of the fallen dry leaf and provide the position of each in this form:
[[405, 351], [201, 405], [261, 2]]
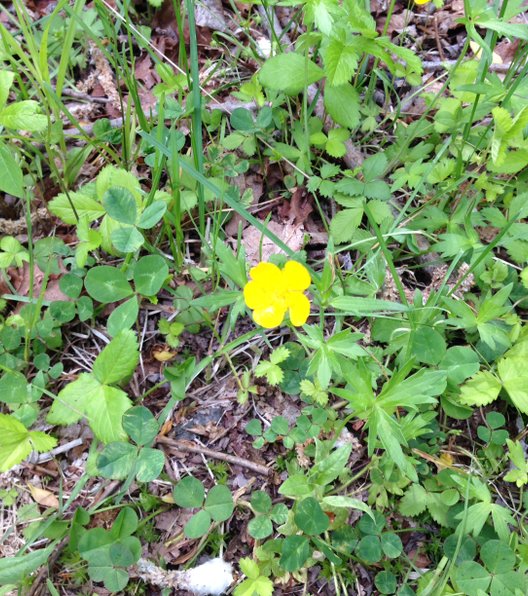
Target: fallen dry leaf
[[43, 497]]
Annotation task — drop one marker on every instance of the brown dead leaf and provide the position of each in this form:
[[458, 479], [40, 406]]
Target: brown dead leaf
[[43, 497], [260, 248], [21, 281]]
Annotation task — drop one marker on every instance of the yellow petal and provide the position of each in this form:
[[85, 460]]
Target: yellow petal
[[299, 308], [421, 1], [266, 273], [257, 294], [296, 276], [269, 317]]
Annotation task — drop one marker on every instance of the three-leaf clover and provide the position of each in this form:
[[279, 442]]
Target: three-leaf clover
[[217, 506]]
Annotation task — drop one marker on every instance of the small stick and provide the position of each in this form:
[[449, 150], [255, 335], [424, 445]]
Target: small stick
[[232, 459], [432, 65]]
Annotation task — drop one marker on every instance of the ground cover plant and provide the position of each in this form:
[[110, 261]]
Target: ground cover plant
[[263, 297]]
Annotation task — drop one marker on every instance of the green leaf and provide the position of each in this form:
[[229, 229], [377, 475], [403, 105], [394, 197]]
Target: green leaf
[[189, 493], [347, 503], [69, 405], [152, 215], [17, 442], [116, 460], [106, 412], [14, 388], [345, 223], [428, 345], [118, 359], [497, 556], [340, 60], [366, 306], [149, 464], [279, 355], [391, 545], [289, 73], [369, 549], [150, 274], [460, 363], [295, 551], [140, 425], [85, 207], [123, 317], [260, 527], [261, 501], [15, 570], [471, 578], [198, 525], [120, 205], [127, 239], [342, 104], [219, 503], [331, 467], [11, 180], [514, 376], [296, 485], [481, 389], [414, 501], [107, 284], [386, 582], [310, 518], [23, 115]]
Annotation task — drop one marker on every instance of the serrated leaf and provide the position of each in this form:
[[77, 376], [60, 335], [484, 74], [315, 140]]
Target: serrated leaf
[[85, 207], [342, 104], [290, 73], [279, 355], [514, 377], [414, 501], [345, 223], [17, 442], [480, 390], [341, 61]]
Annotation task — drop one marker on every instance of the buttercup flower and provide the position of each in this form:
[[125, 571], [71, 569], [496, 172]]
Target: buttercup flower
[[272, 292], [421, 1]]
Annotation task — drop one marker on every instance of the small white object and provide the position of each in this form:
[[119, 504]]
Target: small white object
[[211, 578], [263, 47]]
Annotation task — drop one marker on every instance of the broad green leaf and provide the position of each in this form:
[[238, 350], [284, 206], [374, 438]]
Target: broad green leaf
[[481, 389], [198, 525], [391, 545], [341, 60], [514, 376], [344, 224], [84, 206], [414, 501], [152, 215], [150, 274], [23, 115], [69, 405], [14, 570], [497, 556], [295, 551], [260, 586], [428, 346], [17, 442], [6, 81], [290, 73], [125, 524], [116, 460], [107, 284], [329, 469], [189, 493], [344, 502], [310, 518], [123, 317], [471, 578], [460, 363], [118, 359], [105, 413], [219, 503], [369, 549], [110, 176], [140, 425], [127, 239], [260, 527], [342, 103], [149, 464], [11, 179], [14, 388], [120, 205], [296, 485]]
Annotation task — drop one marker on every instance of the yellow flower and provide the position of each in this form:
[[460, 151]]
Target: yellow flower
[[421, 1], [272, 292]]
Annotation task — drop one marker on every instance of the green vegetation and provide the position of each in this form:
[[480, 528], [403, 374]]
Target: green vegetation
[[263, 297]]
